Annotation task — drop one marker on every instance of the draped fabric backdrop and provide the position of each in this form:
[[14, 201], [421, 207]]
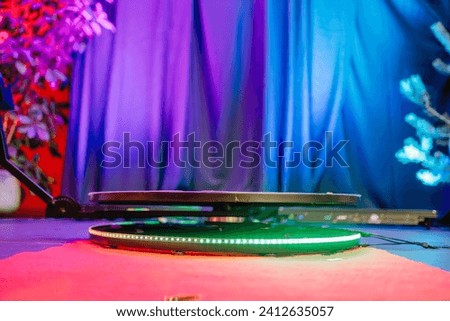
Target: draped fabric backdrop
[[237, 70]]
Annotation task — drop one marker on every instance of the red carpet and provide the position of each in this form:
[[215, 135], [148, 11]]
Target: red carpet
[[83, 271]]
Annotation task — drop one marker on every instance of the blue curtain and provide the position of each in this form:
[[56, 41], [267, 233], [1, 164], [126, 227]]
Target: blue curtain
[[300, 71]]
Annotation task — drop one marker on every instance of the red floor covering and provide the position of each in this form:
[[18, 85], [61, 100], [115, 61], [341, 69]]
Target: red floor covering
[[84, 271]]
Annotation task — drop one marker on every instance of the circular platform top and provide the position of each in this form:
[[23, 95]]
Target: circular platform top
[[222, 197]]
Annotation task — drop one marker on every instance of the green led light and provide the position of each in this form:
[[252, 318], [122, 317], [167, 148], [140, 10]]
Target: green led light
[[290, 241], [273, 240], [187, 208], [235, 241]]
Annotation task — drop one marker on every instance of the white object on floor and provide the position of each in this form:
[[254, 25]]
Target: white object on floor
[[10, 193]]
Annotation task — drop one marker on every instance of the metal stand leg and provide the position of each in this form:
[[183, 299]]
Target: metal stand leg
[[56, 207]]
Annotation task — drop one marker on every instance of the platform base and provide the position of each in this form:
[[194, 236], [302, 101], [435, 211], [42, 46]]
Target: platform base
[[224, 238]]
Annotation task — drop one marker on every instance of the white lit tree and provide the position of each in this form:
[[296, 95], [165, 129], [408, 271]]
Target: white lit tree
[[432, 145]]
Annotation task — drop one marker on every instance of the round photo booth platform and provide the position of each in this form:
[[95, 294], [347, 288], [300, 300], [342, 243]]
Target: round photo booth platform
[[205, 236]]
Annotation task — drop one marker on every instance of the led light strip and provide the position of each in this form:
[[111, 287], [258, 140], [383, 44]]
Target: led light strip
[[197, 240]]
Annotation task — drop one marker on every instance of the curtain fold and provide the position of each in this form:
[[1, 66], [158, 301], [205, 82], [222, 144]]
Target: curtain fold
[[308, 72], [173, 68]]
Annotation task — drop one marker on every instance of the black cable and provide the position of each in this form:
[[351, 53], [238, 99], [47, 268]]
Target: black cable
[[390, 244], [397, 241]]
